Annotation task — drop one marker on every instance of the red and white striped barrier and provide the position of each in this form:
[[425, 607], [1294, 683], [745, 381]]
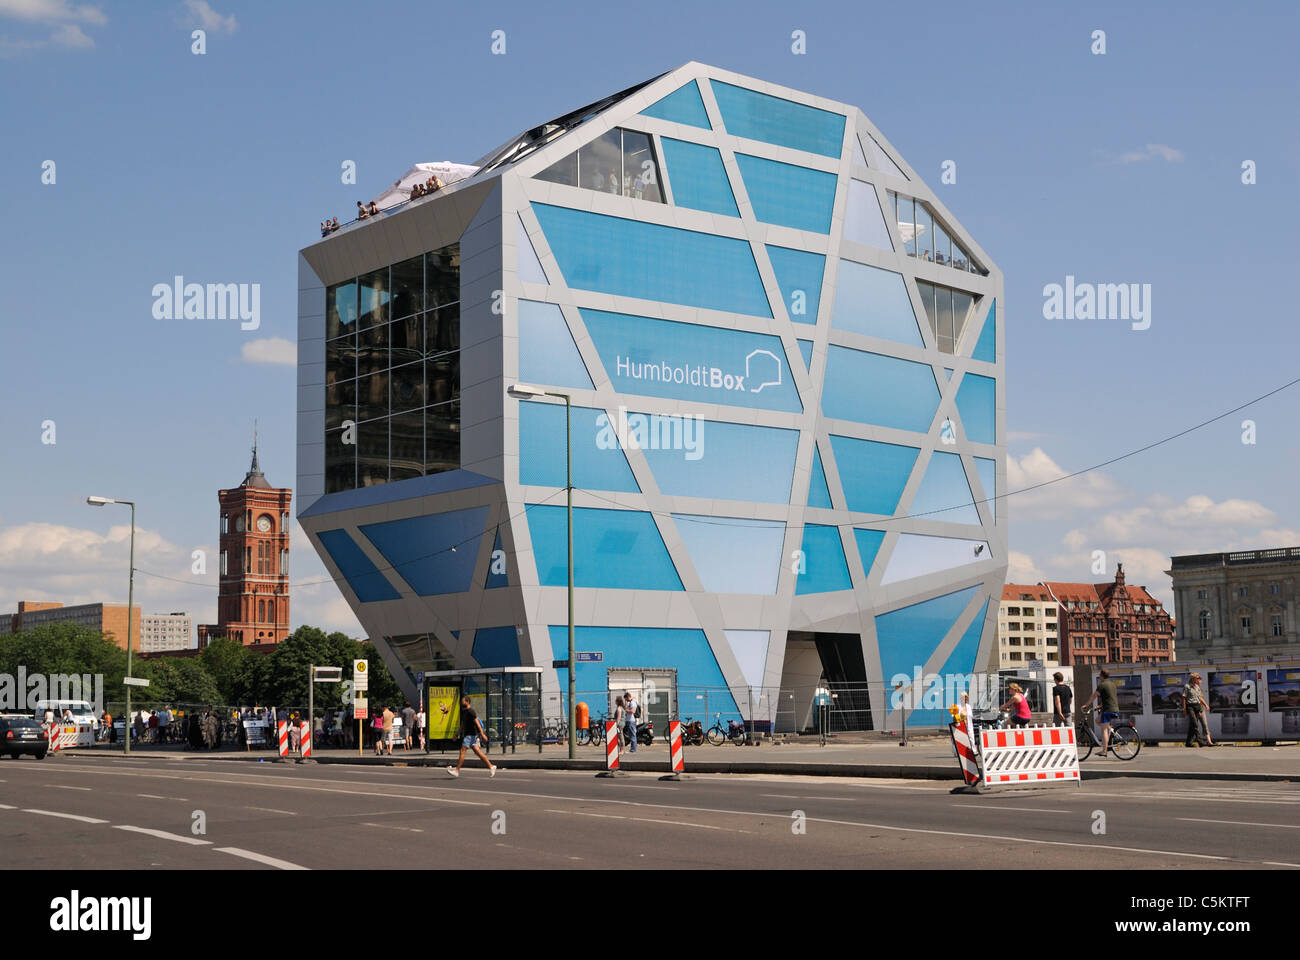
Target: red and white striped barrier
[[676, 756], [282, 729], [305, 740], [611, 745], [65, 735], [970, 766], [1028, 756]]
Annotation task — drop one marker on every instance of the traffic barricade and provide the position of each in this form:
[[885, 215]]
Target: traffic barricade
[[282, 731], [65, 736], [304, 740], [967, 756], [611, 751], [676, 755], [1027, 757]]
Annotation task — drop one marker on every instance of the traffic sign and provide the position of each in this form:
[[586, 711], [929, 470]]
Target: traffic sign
[[560, 664], [419, 677], [361, 713], [136, 681], [589, 656], [360, 675]]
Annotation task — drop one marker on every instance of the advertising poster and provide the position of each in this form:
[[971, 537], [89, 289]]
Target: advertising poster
[[444, 713], [1128, 691], [1167, 692], [1234, 702], [1284, 690]]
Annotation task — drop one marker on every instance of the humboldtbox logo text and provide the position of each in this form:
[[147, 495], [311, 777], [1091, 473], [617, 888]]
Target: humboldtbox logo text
[[762, 369]]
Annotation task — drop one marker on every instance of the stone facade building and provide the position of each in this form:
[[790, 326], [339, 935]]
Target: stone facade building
[[1112, 623], [1237, 605]]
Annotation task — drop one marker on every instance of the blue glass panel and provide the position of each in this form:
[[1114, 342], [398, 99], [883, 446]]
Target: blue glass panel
[[495, 580], [611, 548], [698, 178], [724, 464], [687, 361], [496, 646], [819, 494], [547, 353], [907, 637], [527, 266], [863, 221], [873, 474], [365, 580], [875, 303], [916, 555], [420, 548], [732, 555], [597, 465], [799, 275], [868, 546], [805, 347], [871, 388], [962, 658], [977, 406], [945, 494], [987, 347], [633, 259], [757, 116], [687, 650], [825, 569], [683, 105], [988, 470], [787, 195]]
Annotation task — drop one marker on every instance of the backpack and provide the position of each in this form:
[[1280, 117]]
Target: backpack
[[638, 711]]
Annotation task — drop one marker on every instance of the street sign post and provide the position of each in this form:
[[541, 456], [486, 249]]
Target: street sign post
[[360, 684], [589, 656], [136, 681]]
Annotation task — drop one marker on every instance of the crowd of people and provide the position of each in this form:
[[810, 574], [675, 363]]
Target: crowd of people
[[432, 185], [371, 209], [328, 226]]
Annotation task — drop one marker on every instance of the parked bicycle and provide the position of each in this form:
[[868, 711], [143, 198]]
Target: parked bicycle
[[734, 731], [1124, 740], [692, 733]]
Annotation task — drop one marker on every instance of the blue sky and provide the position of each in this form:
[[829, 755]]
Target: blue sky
[[1124, 167]]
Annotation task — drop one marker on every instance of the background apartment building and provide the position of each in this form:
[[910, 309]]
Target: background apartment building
[[1027, 629]]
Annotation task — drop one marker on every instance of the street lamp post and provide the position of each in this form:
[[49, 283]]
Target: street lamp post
[[130, 608], [526, 390]]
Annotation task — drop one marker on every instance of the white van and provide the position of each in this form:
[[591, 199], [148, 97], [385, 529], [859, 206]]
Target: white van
[[81, 710]]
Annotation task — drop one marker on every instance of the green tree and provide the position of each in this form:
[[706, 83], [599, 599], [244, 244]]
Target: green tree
[[227, 663]]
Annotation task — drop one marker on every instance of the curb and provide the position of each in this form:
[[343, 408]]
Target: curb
[[886, 771]]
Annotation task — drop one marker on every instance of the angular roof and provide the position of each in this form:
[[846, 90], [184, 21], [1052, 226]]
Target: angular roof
[[1013, 591]]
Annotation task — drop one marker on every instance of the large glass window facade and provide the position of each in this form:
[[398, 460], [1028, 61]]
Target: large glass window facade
[[621, 162], [925, 238], [948, 311], [392, 372]]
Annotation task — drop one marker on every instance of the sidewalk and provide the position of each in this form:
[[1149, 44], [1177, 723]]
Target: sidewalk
[[929, 759]]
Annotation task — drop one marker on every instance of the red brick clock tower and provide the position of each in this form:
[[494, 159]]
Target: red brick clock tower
[[253, 598]]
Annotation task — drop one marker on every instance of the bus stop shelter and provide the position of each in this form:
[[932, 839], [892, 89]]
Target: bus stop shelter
[[508, 700]]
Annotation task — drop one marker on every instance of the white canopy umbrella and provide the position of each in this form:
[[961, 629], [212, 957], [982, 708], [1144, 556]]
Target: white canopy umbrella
[[446, 171]]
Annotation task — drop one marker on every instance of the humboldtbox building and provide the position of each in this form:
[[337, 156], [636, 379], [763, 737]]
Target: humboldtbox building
[[785, 363]]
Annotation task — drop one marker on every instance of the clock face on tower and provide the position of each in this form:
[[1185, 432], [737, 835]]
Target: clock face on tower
[[264, 523]]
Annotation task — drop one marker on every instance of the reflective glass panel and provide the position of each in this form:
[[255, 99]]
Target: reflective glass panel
[[640, 168], [699, 180], [372, 453], [442, 276], [373, 295], [340, 309], [442, 330], [408, 287], [407, 387], [758, 116], [406, 340], [563, 171], [340, 463], [406, 436], [442, 437], [372, 396], [788, 195], [600, 163]]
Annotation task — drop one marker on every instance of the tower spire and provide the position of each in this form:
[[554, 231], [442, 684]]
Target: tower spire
[[255, 477], [254, 468]]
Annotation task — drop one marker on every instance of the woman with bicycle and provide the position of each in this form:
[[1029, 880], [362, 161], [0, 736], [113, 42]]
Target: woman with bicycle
[[1018, 706]]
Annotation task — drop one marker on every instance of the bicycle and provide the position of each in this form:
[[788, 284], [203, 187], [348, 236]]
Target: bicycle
[[735, 732], [692, 732], [596, 731], [1124, 739]]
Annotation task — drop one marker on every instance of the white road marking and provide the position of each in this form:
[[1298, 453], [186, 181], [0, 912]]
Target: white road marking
[[1242, 823], [65, 816], [154, 796], [288, 813], [64, 786], [5, 806], [164, 835], [389, 826], [609, 816], [1275, 863], [982, 806], [260, 858]]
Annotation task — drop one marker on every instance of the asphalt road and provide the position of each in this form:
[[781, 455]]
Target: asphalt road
[[101, 811]]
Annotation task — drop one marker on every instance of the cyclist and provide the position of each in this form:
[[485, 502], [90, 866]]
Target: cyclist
[[1108, 702], [1018, 705]]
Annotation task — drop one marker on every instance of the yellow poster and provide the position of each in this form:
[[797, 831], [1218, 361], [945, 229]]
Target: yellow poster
[[444, 713]]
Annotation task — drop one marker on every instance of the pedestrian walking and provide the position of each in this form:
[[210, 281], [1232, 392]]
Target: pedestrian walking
[[408, 725], [421, 721], [1197, 710], [620, 724], [471, 730], [633, 714], [377, 731], [1062, 697], [389, 717], [1107, 699]]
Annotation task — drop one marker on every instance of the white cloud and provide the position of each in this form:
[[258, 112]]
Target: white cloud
[[71, 35], [1022, 569], [204, 16], [273, 350], [52, 11], [1090, 490], [1152, 151]]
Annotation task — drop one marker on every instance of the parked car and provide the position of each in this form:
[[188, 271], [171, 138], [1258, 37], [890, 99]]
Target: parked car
[[19, 735]]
